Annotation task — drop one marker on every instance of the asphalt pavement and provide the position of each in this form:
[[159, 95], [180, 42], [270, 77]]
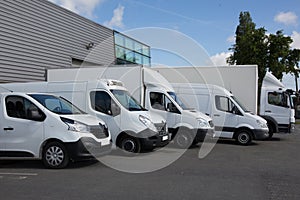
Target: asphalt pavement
[[263, 170]]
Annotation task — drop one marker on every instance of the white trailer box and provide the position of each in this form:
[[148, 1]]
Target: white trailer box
[[241, 80]]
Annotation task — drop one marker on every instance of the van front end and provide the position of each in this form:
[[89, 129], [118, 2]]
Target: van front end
[[94, 139], [151, 139]]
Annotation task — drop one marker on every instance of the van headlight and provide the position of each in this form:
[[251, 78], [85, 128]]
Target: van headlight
[[75, 126], [262, 124], [203, 123], [147, 122]]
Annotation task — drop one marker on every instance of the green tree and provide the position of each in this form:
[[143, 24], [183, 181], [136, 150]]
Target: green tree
[[251, 45], [254, 46], [278, 53]]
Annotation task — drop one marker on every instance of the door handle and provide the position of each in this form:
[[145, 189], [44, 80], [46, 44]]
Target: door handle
[[269, 111], [8, 129], [216, 115]]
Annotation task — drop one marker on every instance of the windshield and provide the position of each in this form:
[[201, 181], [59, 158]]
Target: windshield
[[178, 101], [57, 105], [127, 100], [240, 104]]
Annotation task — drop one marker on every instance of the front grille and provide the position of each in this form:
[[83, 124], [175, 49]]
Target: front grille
[[99, 131], [161, 128], [211, 123]]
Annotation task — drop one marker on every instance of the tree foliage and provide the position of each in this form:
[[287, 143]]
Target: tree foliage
[[254, 46]]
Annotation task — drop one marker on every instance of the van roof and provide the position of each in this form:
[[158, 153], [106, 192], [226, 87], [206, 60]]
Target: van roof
[[201, 86]]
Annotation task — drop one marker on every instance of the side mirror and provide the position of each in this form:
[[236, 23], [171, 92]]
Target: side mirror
[[236, 111], [35, 115], [115, 110], [172, 108]]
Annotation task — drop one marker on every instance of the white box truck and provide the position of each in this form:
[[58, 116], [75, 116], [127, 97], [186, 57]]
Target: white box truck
[[131, 126], [47, 127], [230, 117], [242, 81], [276, 105], [154, 92]]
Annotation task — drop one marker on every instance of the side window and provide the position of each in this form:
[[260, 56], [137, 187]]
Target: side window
[[225, 104], [222, 103], [102, 102], [20, 107], [157, 100], [278, 99], [162, 102]]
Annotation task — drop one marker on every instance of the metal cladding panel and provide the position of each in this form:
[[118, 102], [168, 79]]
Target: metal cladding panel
[[37, 35]]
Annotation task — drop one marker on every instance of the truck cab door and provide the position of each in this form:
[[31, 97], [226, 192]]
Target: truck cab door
[[107, 109], [22, 127], [278, 107], [225, 116], [163, 106]]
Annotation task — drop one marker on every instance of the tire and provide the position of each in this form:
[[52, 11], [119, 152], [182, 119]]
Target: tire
[[243, 137], [271, 131], [130, 144], [183, 139], [55, 156]]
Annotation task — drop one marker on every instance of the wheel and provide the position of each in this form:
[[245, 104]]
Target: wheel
[[183, 139], [271, 131], [130, 144], [244, 137], [55, 155]]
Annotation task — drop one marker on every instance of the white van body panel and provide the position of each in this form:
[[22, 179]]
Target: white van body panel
[[203, 97]]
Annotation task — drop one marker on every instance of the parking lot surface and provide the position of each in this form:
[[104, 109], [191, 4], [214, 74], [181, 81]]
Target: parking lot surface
[[263, 170]]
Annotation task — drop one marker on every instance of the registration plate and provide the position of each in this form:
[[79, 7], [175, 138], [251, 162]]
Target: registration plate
[[166, 137]]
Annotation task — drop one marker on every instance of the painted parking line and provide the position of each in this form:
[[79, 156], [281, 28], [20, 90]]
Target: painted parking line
[[17, 176]]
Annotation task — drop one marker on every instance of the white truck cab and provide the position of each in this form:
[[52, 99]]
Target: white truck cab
[[47, 127], [131, 126], [231, 119], [188, 126], [276, 105]]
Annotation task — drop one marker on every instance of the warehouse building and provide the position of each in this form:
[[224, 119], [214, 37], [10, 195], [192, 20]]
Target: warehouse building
[[36, 35]]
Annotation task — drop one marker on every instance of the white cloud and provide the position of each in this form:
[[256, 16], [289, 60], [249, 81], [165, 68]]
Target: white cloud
[[231, 39], [117, 19], [296, 40], [82, 7], [287, 18], [220, 58]]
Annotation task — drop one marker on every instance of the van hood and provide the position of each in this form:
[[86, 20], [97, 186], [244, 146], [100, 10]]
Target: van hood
[[256, 117], [85, 119], [196, 114]]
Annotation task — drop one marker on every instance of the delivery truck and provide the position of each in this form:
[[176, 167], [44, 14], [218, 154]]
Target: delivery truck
[[131, 126], [231, 119], [152, 91], [242, 81], [48, 127]]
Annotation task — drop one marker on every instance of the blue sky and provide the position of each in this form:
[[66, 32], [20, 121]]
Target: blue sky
[[211, 23]]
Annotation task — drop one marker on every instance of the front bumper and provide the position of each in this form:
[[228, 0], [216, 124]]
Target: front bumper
[[87, 148], [151, 139], [260, 134], [201, 134]]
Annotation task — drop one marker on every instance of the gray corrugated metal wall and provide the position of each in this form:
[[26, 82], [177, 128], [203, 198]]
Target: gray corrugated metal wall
[[36, 35]]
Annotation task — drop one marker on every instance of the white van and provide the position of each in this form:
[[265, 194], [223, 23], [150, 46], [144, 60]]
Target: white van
[[150, 89], [131, 126], [47, 127], [231, 119]]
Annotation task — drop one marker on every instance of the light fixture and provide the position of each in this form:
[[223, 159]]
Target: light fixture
[[89, 45]]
